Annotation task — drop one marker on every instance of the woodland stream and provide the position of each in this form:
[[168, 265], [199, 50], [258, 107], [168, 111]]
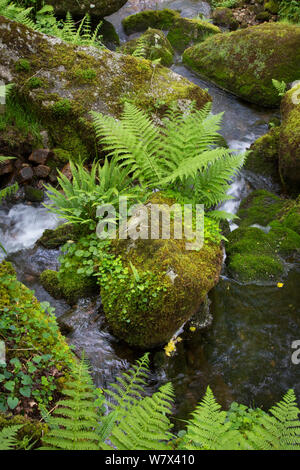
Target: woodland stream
[[246, 351]]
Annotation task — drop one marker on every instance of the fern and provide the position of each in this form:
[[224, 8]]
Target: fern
[[45, 22], [8, 437], [208, 429], [182, 155], [147, 426], [281, 430], [73, 423], [280, 87]]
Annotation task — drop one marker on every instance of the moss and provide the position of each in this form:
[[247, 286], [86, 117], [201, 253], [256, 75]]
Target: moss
[[35, 82], [260, 207], [109, 34], [155, 46], [263, 16], [34, 194], [245, 61], [61, 108], [172, 283], [32, 430], [186, 32], [158, 19], [55, 238], [250, 267], [22, 65], [69, 286], [264, 156], [97, 9], [289, 146], [291, 218], [272, 6]]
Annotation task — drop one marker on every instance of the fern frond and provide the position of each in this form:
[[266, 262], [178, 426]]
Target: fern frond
[[8, 437], [208, 430], [281, 430], [147, 426], [73, 423]]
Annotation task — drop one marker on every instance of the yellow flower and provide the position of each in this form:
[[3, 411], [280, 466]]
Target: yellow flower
[[192, 328], [279, 284], [170, 347]]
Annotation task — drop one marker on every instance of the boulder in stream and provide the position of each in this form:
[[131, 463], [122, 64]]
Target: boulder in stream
[[244, 62], [96, 8], [70, 81], [158, 286]]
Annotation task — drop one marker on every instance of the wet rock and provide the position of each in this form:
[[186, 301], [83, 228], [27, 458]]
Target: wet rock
[[33, 194], [264, 155], [42, 171], [225, 17], [25, 174], [57, 237], [6, 167], [244, 62], [40, 156]]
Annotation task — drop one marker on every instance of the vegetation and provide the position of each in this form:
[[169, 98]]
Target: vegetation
[[139, 422]]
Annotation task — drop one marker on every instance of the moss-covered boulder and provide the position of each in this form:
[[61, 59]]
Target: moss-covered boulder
[[289, 145], [244, 62], [254, 255], [57, 237], [272, 6], [70, 286], [158, 19], [182, 32], [224, 17], [76, 80], [151, 287], [97, 8], [260, 207], [185, 32], [264, 155], [267, 237], [152, 45]]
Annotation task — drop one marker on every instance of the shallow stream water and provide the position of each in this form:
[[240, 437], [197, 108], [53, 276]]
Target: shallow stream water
[[245, 355]]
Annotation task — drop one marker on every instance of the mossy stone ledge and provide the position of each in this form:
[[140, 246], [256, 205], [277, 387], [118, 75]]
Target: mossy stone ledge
[[244, 62], [77, 80]]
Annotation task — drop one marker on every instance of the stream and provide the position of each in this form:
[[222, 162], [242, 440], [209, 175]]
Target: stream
[[245, 355]]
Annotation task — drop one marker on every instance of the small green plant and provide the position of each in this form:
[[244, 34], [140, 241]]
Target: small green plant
[[281, 87]]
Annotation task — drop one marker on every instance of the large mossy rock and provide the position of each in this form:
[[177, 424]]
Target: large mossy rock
[[224, 17], [268, 236], [99, 8], [244, 62], [157, 286], [264, 155], [182, 32], [289, 145], [152, 45], [62, 83]]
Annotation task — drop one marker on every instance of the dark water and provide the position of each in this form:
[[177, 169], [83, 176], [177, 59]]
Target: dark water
[[245, 355]]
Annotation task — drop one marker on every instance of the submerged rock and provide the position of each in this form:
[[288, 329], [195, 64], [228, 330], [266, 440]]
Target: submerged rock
[[151, 45], [244, 62], [289, 144], [159, 286], [74, 80]]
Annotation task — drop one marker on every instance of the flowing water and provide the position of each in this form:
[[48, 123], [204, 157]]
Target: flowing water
[[245, 354]]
